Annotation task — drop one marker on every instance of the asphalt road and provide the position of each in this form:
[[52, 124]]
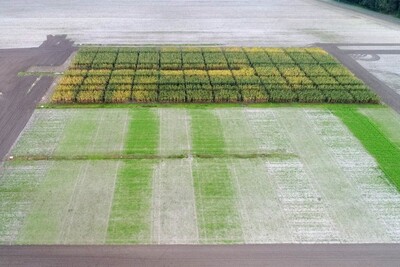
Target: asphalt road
[[387, 94], [221, 255], [20, 95]]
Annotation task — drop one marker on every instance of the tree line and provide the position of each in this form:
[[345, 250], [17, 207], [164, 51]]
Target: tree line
[[384, 6]]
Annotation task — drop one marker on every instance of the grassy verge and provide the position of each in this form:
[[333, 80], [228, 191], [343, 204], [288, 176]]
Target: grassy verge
[[130, 216], [386, 153]]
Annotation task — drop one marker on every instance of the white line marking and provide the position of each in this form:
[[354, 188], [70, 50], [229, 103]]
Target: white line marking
[[33, 84]]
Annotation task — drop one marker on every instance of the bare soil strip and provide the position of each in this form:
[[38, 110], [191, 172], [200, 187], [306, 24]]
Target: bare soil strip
[[385, 255]]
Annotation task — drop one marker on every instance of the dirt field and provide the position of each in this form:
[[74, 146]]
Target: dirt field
[[234, 22]]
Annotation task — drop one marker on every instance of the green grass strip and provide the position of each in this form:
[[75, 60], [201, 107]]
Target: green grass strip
[[143, 132], [217, 212], [387, 120], [130, 218], [207, 133], [386, 153]]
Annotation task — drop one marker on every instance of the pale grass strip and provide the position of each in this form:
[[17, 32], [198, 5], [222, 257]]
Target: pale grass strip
[[175, 219], [311, 219]]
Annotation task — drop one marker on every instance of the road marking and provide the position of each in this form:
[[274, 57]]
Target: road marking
[[33, 84]]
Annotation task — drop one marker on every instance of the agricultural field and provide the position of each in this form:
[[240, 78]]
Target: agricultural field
[[198, 175], [208, 74]]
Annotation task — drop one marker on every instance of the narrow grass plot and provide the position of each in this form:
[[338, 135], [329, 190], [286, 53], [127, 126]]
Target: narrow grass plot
[[207, 136], [216, 201], [143, 132], [175, 132], [130, 218], [174, 219]]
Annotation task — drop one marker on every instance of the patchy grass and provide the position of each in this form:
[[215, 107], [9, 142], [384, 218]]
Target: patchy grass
[[385, 151]]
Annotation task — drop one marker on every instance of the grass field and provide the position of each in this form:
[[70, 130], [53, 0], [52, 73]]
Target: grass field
[[179, 175], [208, 74]]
